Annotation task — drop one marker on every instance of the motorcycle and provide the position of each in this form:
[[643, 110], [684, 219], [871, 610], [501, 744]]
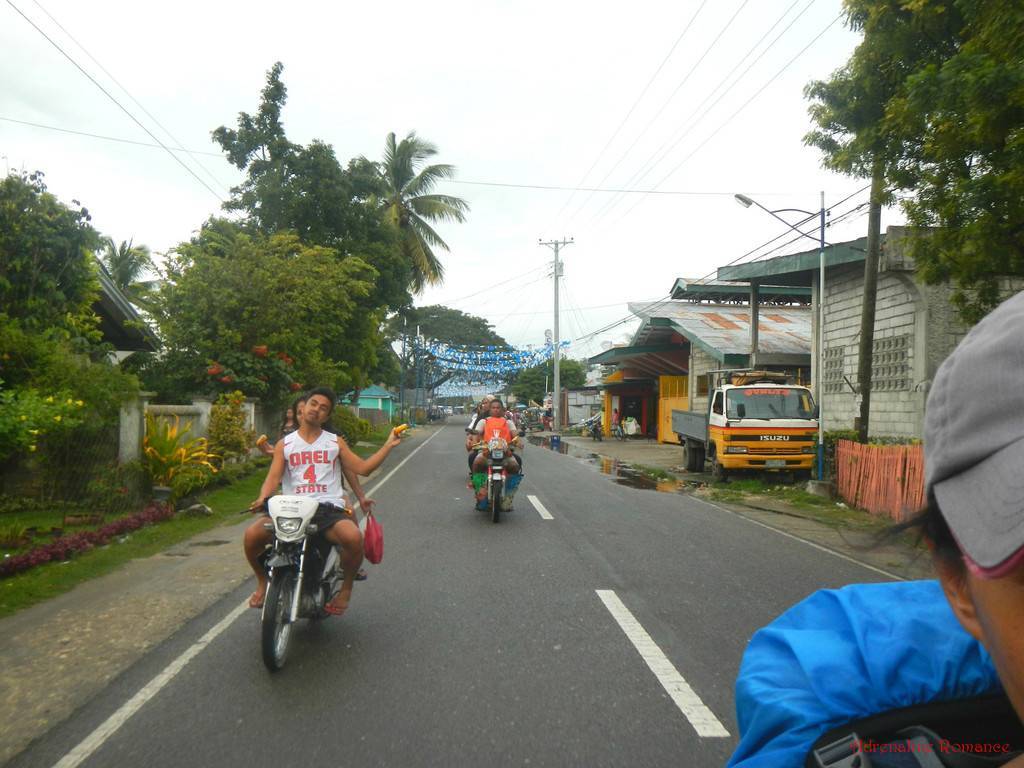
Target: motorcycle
[[594, 427], [303, 575], [500, 485]]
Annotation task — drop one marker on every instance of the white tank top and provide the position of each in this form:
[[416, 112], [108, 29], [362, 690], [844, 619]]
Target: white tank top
[[313, 469]]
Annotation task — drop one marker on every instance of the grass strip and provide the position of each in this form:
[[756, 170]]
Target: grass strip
[[52, 579]]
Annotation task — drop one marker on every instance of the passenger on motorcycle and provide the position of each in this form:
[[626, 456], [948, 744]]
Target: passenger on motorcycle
[[482, 412], [309, 462], [496, 425]]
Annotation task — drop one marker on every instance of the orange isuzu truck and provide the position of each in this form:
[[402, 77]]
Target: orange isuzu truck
[[756, 420]]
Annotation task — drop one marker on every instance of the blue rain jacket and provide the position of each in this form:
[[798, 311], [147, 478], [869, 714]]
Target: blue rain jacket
[[841, 655]]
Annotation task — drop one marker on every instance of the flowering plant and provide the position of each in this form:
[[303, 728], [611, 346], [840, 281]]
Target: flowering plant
[[168, 451], [26, 415], [62, 548]]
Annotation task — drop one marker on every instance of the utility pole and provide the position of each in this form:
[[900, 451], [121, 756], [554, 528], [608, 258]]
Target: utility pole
[[401, 386], [867, 314], [556, 399]]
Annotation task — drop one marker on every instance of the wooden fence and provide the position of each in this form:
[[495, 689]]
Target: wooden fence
[[882, 479]]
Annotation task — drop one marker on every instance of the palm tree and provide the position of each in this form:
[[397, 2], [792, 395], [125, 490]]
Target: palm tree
[[126, 263], [408, 204]]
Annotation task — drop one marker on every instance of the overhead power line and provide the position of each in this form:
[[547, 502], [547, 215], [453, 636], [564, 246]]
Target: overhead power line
[[686, 127], [661, 302], [758, 92], [629, 113], [695, 193], [110, 96], [148, 114], [667, 101], [108, 138]]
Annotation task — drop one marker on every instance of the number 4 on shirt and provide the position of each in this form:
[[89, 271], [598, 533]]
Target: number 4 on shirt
[[310, 475]]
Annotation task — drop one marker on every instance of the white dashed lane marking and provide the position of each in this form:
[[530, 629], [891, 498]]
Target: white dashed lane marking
[[541, 509], [700, 717]]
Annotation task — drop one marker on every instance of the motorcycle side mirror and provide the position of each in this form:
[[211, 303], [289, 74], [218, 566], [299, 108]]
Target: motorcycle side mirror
[[741, 411]]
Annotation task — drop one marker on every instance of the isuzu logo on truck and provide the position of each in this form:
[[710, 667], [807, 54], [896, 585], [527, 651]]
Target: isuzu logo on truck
[[775, 437]]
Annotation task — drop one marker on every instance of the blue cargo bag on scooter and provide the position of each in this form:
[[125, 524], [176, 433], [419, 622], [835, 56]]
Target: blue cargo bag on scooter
[[843, 655]]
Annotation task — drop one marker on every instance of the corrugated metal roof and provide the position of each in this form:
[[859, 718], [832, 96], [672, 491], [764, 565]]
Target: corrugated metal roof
[[726, 327]]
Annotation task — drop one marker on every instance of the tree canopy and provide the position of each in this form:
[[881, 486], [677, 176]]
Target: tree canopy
[[933, 100], [307, 273], [47, 265], [409, 204]]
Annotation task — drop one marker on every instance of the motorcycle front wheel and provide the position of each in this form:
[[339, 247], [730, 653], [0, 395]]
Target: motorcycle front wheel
[[496, 501], [276, 629]]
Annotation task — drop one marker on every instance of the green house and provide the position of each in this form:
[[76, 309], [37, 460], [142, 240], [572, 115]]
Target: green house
[[373, 398]]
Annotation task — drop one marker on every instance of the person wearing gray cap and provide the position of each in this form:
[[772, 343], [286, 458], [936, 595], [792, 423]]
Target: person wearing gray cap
[[974, 481]]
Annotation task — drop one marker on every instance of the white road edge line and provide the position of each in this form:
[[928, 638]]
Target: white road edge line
[[701, 718], [541, 509], [809, 543], [95, 740]]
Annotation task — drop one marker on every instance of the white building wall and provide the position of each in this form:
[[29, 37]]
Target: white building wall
[[700, 363]]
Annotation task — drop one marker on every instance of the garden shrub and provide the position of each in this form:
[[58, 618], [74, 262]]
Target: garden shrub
[[350, 426], [229, 438]]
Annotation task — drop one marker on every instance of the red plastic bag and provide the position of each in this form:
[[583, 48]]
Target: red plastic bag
[[373, 540]]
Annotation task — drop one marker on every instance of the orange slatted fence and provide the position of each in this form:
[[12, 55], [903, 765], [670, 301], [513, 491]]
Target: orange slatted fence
[[882, 479]]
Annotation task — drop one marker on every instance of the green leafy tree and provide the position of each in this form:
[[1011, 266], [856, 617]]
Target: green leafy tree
[[849, 112], [246, 303], [409, 205], [960, 119], [529, 383], [443, 324], [47, 272]]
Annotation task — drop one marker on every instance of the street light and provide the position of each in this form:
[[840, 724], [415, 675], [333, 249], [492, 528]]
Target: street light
[[746, 202]]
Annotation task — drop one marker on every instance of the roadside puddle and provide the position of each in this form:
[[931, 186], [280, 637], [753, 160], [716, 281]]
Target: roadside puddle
[[621, 472]]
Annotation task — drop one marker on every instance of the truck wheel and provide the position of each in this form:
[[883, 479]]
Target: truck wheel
[[719, 473], [691, 456]]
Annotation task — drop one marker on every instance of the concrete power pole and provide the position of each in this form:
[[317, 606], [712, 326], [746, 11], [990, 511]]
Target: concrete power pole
[[556, 399]]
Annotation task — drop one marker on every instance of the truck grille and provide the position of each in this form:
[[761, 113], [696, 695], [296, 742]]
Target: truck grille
[[773, 450]]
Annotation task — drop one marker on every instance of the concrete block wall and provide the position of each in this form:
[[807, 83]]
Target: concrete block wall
[[897, 404]]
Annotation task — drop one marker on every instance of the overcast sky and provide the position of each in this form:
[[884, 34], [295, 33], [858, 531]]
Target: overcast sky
[[525, 93]]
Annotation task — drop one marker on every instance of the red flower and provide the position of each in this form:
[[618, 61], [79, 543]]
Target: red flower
[[260, 350], [215, 369], [295, 386], [226, 379]]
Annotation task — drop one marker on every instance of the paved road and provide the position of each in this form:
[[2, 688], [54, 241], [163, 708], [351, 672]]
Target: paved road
[[474, 643]]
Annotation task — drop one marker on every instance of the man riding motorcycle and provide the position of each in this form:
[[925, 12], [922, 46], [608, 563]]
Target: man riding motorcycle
[[310, 461], [496, 425]]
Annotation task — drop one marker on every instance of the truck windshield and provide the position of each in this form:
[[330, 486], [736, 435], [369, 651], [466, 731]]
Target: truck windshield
[[770, 403]]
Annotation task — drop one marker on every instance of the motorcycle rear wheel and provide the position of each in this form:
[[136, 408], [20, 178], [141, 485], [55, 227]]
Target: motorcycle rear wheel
[[276, 629]]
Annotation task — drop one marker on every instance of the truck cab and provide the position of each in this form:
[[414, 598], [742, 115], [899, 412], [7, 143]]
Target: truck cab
[[756, 420]]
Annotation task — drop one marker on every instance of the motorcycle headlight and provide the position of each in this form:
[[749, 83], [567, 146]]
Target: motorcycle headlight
[[289, 524], [498, 454]]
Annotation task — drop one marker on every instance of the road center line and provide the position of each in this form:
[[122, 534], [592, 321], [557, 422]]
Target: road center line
[[701, 718], [541, 509], [96, 739]]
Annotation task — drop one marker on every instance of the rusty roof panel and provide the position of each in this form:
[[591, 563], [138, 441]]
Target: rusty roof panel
[[786, 330]]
